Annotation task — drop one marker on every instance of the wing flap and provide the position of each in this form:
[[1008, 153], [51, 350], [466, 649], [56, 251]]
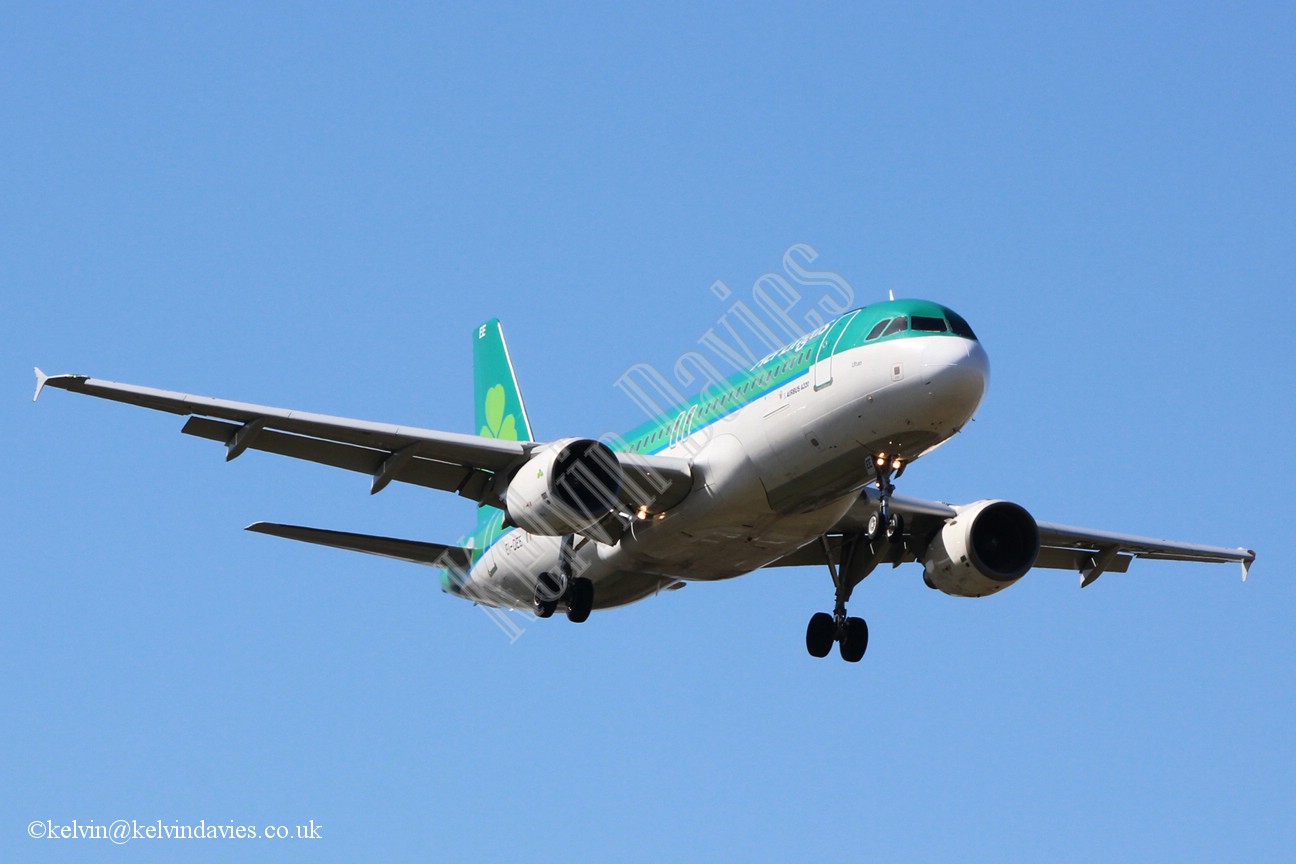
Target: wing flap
[[414, 551], [1079, 560], [1102, 551], [350, 457], [1068, 537]]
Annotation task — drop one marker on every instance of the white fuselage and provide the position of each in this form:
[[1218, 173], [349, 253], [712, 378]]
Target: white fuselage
[[768, 478]]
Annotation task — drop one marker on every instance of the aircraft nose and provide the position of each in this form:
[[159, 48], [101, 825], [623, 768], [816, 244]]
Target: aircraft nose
[[957, 373]]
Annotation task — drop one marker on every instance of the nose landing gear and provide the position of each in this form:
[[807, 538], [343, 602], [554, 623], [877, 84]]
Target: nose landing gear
[[883, 521]]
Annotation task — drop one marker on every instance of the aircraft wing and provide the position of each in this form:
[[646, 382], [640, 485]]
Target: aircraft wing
[[467, 465], [1084, 551]]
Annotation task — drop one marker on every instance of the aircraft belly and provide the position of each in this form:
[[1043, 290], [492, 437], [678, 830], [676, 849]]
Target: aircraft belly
[[622, 588], [726, 527], [505, 576], [723, 557]]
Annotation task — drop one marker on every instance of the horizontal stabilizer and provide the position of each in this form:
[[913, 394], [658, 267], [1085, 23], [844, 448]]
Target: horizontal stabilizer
[[414, 551], [41, 378]]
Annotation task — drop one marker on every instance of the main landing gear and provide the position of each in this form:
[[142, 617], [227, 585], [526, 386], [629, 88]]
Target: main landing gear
[[860, 554], [552, 588]]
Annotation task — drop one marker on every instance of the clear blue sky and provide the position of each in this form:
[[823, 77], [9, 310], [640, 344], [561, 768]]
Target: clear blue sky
[[312, 205]]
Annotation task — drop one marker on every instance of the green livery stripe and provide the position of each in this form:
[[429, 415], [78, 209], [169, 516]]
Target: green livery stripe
[[791, 362]]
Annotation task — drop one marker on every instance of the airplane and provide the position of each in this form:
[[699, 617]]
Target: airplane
[[792, 461]]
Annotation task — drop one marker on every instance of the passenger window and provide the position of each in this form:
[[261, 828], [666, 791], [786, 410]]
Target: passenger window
[[928, 325], [899, 325], [877, 330]]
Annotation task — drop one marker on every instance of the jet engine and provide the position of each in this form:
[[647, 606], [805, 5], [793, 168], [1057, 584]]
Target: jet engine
[[567, 487], [988, 546]]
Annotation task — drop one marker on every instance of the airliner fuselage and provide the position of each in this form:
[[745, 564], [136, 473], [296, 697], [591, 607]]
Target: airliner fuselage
[[780, 469]]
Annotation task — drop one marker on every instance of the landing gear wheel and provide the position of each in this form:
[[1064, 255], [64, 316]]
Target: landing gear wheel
[[895, 527], [548, 591], [580, 599], [821, 634], [876, 525], [854, 640]]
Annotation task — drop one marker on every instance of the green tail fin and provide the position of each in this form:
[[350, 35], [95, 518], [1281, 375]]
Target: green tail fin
[[499, 412], [498, 402]]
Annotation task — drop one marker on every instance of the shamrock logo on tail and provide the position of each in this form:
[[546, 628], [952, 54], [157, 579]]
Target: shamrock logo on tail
[[498, 425]]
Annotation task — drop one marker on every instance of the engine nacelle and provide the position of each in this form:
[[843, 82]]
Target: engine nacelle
[[568, 487], [988, 546]]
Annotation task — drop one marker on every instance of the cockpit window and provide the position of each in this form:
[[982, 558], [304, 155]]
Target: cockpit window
[[877, 329], [928, 325], [960, 327], [899, 325]]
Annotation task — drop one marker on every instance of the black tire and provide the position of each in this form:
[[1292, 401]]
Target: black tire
[[895, 527], [580, 600], [548, 590], [820, 634], [549, 587], [875, 527], [855, 640]]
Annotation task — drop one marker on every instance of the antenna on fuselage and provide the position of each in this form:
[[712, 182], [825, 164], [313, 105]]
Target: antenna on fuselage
[[891, 293]]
